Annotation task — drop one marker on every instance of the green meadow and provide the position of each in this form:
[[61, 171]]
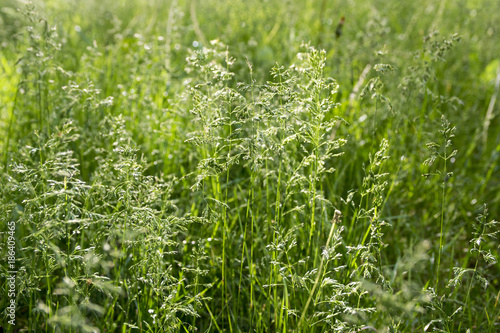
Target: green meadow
[[249, 166]]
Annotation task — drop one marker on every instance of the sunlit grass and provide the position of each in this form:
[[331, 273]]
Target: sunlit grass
[[245, 167]]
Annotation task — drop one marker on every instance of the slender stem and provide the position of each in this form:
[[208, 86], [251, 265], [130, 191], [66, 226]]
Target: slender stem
[[443, 200], [336, 219], [9, 130]]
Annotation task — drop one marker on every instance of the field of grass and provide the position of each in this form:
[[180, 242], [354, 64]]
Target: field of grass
[[249, 166]]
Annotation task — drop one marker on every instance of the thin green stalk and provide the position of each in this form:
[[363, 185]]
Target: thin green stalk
[[224, 233], [9, 129], [336, 218], [467, 297], [441, 238]]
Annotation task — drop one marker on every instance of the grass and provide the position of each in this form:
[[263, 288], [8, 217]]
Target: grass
[[260, 166]]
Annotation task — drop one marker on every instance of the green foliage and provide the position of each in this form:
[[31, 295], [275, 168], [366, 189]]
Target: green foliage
[[251, 166]]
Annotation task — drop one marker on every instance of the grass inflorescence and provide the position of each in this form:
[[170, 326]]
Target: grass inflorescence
[[221, 166]]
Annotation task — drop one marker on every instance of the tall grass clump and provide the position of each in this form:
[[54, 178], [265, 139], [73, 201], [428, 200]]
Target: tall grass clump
[[221, 166]]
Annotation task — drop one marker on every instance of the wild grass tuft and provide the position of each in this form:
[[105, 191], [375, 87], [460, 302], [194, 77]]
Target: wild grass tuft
[[200, 166]]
